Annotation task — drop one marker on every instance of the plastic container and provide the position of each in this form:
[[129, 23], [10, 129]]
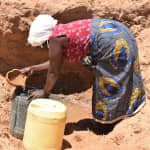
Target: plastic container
[[16, 78], [45, 125], [18, 111]]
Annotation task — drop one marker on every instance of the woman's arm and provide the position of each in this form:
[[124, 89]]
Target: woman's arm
[[40, 67], [29, 70], [55, 62]]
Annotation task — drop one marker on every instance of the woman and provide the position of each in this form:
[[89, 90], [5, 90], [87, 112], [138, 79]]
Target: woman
[[105, 45]]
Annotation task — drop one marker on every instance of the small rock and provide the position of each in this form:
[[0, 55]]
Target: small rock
[[137, 130], [78, 138]]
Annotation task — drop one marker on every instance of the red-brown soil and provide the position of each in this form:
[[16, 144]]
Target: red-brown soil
[[81, 133]]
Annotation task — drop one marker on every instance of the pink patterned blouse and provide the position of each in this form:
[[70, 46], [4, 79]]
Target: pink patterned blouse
[[78, 33]]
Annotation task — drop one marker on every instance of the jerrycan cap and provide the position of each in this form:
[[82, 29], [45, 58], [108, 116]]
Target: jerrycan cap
[[47, 108]]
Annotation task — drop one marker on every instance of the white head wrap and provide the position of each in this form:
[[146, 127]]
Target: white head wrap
[[41, 28]]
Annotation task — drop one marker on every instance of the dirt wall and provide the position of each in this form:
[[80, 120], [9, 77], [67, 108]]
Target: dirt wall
[[16, 17], [82, 132]]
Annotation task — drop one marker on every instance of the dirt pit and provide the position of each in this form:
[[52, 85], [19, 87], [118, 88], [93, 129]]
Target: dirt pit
[[82, 132]]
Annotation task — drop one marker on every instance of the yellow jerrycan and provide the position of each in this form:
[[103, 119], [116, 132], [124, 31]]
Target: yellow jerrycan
[[45, 124]]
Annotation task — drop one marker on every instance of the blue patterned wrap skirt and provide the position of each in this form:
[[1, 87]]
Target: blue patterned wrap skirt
[[118, 89]]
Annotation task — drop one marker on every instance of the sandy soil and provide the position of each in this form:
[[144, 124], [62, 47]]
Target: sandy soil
[[81, 132]]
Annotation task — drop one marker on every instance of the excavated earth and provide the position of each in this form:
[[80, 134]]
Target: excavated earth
[[75, 83]]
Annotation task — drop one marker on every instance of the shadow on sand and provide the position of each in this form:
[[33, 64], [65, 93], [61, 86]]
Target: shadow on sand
[[85, 125], [66, 145], [91, 125]]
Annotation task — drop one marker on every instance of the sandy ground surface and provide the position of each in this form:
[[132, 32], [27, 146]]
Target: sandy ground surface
[[81, 132]]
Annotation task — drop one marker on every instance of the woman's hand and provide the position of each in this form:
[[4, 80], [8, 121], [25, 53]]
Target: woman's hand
[[37, 94], [27, 70]]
